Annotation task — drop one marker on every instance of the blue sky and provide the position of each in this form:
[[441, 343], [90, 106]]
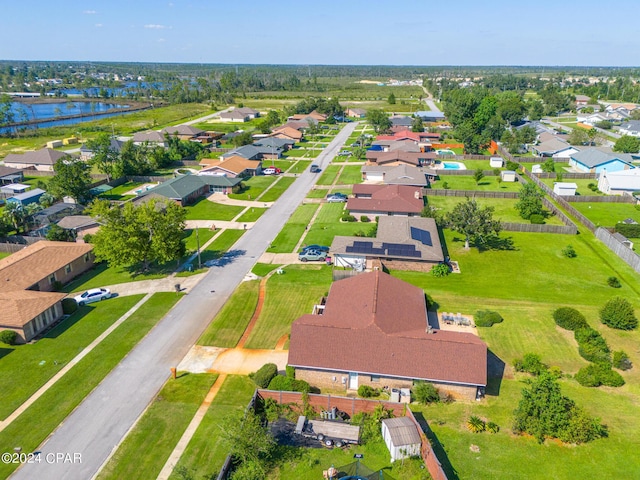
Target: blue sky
[[408, 32]]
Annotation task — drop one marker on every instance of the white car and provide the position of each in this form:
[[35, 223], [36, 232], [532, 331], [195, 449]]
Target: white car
[[93, 295]]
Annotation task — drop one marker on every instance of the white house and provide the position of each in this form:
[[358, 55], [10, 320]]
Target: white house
[[564, 189], [496, 162], [401, 437], [623, 182], [631, 128]]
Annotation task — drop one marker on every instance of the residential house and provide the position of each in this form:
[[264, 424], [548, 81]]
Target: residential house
[[10, 175], [397, 175], [399, 157], [373, 330], [380, 200], [232, 167], [254, 152], [249, 112], [287, 133], [582, 100], [631, 128], [400, 123], [275, 142], [623, 182], [596, 160], [183, 132], [356, 112], [234, 116], [79, 225], [42, 160], [30, 196], [401, 243], [422, 139], [186, 189], [151, 138], [428, 116], [28, 305], [554, 147], [86, 153], [318, 117]]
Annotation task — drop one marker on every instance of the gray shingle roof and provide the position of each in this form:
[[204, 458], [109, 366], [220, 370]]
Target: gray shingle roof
[[44, 156], [631, 125], [185, 185], [592, 157]]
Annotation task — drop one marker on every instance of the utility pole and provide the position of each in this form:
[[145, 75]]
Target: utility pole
[[198, 244]]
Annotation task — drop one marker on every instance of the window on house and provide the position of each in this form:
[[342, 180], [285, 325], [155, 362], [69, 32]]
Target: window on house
[[67, 269], [375, 378], [86, 257], [52, 278]]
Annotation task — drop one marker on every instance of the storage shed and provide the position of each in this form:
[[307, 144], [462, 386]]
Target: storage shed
[[496, 162], [564, 188], [401, 437], [32, 196], [508, 176]]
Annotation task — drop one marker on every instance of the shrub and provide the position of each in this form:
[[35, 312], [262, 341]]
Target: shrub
[[618, 313], [425, 393], [264, 375], [530, 363], [475, 424], [631, 230], [621, 360], [569, 319], [365, 391], [486, 318], [445, 185], [536, 219], [57, 286], [511, 165], [592, 346], [364, 218], [569, 252], [280, 382], [613, 282], [348, 218], [291, 371], [597, 374], [8, 337], [493, 427], [69, 305], [440, 270]]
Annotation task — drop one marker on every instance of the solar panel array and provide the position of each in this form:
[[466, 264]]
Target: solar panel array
[[390, 249], [422, 236], [364, 247]]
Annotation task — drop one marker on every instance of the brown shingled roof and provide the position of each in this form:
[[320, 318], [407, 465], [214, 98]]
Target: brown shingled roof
[[376, 324], [21, 306], [387, 198]]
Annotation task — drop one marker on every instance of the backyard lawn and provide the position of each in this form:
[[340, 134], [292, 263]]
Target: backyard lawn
[[278, 189], [607, 214], [119, 192], [158, 431], [488, 183], [204, 209], [254, 187], [287, 297], [288, 237], [582, 184]]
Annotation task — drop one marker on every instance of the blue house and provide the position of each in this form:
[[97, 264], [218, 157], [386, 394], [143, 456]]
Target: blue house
[[594, 160], [32, 196]]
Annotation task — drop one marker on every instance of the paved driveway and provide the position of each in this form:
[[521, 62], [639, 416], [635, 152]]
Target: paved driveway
[[99, 423]]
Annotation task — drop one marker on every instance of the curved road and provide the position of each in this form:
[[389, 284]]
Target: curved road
[[104, 417]]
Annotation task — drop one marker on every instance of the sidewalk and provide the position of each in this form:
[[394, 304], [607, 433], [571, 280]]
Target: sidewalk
[[218, 224], [166, 284]]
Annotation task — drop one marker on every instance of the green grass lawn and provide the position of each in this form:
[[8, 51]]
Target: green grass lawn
[[278, 189], [118, 193], [228, 326], [61, 399], [40, 361], [288, 237], [262, 269], [221, 244], [300, 166], [607, 214], [252, 215], [582, 184], [459, 182], [504, 208], [350, 175], [287, 297], [475, 164], [329, 175], [207, 450], [4, 254], [327, 225], [318, 193], [254, 187], [191, 238], [102, 275], [147, 447], [204, 209]]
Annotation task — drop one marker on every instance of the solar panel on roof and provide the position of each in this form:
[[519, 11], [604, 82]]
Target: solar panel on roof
[[422, 236]]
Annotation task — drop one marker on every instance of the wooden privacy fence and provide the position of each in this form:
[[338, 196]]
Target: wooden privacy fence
[[445, 172], [599, 198], [567, 175], [627, 255], [534, 159], [437, 192], [426, 451]]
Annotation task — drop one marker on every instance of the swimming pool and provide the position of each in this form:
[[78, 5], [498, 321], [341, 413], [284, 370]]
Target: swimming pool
[[451, 166]]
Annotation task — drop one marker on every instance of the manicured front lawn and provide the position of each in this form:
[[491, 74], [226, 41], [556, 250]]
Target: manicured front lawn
[[221, 244], [252, 214], [40, 361], [607, 214], [490, 183], [61, 399], [300, 166], [204, 209], [207, 451], [102, 275], [228, 326], [287, 297], [254, 187], [504, 209], [278, 189], [329, 175], [327, 225], [148, 446], [191, 238], [350, 175], [288, 237]]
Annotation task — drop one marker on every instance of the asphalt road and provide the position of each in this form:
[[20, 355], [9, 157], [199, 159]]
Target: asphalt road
[[104, 417]]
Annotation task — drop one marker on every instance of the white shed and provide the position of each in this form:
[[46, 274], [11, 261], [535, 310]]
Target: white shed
[[496, 162], [508, 176], [564, 188], [401, 437], [537, 168]]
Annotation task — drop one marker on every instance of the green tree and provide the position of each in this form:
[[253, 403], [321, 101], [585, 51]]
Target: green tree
[[59, 234], [378, 119], [549, 165], [627, 144], [526, 134], [72, 179], [14, 214], [578, 136], [104, 156], [138, 236], [529, 201], [391, 99], [243, 138], [475, 223], [618, 313], [535, 110], [425, 393], [478, 175], [416, 124], [510, 107], [249, 440]]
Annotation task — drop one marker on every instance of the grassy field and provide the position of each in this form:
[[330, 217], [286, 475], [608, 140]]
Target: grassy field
[[204, 209], [287, 297], [254, 187], [582, 184], [221, 244], [350, 175], [40, 361], [329, 175], [504, 208], [459, 182], [607, 214], [159, 429], [252, 215], [278, 189], [61, 399], [262, 269], [227, 327], [207, 451], [288, 237], [191, 243]]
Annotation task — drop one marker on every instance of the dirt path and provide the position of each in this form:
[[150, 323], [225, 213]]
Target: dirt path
[[261, 295]]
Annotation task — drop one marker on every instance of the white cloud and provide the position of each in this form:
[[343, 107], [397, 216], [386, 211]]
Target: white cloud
[[170, 4], [161, 40], [89, 12], [98, 25], [156, 26]]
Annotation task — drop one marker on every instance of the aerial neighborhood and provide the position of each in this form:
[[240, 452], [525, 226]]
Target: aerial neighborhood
[[318, 272]]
